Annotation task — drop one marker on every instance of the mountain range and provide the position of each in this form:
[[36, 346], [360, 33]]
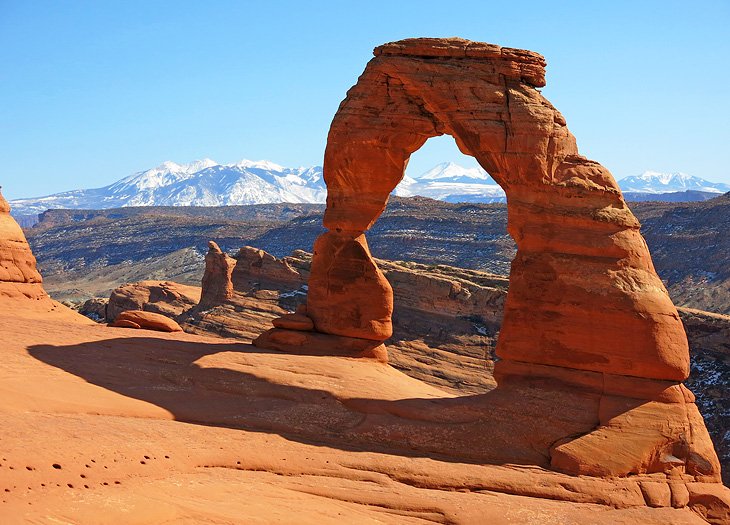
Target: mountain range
[[207, 183], [656, 182]]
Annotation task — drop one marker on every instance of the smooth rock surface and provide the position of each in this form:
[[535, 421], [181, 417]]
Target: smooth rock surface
[[146, 321], [19, 277], [146, 427]]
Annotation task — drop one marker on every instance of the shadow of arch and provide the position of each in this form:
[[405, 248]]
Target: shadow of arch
[[513, 424]]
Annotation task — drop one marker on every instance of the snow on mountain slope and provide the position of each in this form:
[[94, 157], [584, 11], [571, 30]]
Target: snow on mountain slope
[[452, 183], [452, 172], [199, 183], [656, 182], [207, 183]]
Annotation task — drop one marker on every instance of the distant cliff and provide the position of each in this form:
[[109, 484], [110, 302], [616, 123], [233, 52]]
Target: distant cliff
[[689, 242]]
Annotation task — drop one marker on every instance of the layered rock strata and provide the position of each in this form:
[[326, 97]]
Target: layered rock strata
[[160, 297], [586, 308], [19, 277]]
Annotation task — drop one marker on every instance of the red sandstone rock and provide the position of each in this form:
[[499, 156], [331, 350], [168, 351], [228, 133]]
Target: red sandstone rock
[[710, 500], [348, 295], [19, 277], [320, 438], [294, 321], [585, 306], [162, 297], [124, 323], [297, 341], [146, 320], [257, 270], [217, 284], [441, 312], [581, 257]]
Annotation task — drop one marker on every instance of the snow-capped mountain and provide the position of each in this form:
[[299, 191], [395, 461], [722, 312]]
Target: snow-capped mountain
[[207, 183], [452, 183], [655, 182], [200, 183]]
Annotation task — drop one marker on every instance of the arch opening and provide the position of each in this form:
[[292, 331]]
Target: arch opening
[[453, 311], [440, 171]]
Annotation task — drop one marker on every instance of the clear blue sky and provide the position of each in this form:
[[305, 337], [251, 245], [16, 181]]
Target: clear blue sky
[[93, 91]]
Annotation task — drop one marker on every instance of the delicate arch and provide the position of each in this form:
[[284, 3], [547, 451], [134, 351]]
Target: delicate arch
[[585, 313], [583, 290]]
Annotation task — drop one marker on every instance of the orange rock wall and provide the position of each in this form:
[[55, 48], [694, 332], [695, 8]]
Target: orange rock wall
[[18, 274]]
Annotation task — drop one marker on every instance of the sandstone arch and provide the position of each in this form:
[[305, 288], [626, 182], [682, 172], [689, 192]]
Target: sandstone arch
[[583, 290], [585, 307]]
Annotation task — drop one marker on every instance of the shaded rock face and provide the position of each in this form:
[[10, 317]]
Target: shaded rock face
[[585, 307], [217, 286], [19, 276], [94, 309]]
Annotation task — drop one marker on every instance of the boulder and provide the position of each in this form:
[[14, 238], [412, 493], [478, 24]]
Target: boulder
[[146, 321], [162, 297]]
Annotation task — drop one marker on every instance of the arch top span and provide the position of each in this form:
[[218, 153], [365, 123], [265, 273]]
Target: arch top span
[[518, 64], [484, 96]]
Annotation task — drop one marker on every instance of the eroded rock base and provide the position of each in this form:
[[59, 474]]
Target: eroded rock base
[[642, 426], [315, 343]]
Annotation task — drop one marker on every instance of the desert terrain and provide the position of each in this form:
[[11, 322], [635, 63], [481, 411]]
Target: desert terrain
[[579, 413], [108, 425]]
